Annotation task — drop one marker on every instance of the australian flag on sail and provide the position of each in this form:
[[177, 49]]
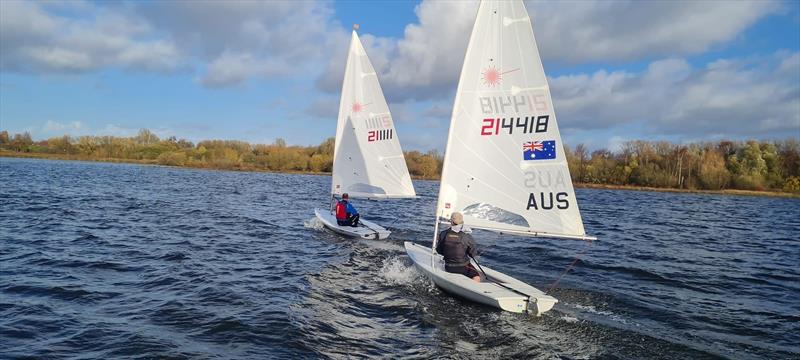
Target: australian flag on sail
[[539, 150]]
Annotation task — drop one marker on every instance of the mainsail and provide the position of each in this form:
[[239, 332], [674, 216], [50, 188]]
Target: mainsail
[[368, 160], [504, 166]]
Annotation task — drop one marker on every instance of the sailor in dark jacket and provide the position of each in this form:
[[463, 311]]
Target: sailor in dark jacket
[[455, 244]]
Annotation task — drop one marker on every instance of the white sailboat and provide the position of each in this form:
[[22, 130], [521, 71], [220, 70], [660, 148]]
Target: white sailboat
[[368, 161], [504, 167]]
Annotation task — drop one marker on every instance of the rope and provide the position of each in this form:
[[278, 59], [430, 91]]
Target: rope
[[571, 265]]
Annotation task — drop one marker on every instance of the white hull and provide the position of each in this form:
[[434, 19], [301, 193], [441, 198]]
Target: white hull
[[367, 229], [513, 295]]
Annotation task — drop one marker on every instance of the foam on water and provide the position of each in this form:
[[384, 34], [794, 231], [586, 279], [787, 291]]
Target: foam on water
[[396, 272], [314, 223], [592, 309], [569, 319], [606, 314]]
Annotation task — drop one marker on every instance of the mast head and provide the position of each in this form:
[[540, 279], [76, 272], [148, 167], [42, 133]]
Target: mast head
[[356, 26]]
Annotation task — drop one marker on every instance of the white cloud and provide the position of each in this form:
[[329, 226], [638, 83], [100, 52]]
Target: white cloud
[[116, 130], [425, 63], [34, 39], [241, 40], [51, 128], [750, 97], [585, 31], [439, 110], [229, 69], [57, 128], [429, 57]]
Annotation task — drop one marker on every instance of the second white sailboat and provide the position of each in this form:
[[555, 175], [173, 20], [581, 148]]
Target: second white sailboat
[[368, 161]]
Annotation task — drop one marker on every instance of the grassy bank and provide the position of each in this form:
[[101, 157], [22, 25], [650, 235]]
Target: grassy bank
[[70, 157], [691, 191]]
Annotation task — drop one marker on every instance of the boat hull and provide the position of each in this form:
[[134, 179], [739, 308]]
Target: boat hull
[[503, 291], [367, 230]]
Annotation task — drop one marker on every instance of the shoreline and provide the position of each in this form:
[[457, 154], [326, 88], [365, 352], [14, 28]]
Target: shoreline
[[66, 157], [764, 193]]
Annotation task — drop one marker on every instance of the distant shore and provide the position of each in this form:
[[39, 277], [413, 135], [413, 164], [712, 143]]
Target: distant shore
[[690, 191], [71, 157]]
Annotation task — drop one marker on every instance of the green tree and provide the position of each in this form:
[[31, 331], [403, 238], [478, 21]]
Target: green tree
[[792, 184], [712, 172]]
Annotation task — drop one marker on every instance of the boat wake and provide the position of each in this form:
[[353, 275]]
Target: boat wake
[[569, 319], [395, 271], [314, 223]]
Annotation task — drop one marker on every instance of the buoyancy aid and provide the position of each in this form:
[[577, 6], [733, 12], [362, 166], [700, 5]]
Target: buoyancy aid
[[455, 247], [341, 210]]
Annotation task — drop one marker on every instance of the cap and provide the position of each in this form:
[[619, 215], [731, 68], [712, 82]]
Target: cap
[[456, 218]]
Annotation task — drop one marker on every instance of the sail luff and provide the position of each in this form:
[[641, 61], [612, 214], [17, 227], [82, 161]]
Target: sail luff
[[451, 129], [340, 120]]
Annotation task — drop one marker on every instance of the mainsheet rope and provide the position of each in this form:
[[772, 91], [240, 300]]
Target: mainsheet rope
[[571, 265], [564, 273]]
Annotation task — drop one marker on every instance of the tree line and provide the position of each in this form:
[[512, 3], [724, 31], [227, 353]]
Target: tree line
[[745, 165], [147, 147]]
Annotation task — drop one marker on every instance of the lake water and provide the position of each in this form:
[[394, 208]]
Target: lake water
[[107, 260]]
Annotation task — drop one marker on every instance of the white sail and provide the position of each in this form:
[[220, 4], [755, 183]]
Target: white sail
[[505, 167], [368, 160]]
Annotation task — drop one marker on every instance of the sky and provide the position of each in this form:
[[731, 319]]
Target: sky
[[682, 71]]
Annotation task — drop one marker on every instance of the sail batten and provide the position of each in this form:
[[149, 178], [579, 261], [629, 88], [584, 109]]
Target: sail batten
[[505, 168], [368, 160]]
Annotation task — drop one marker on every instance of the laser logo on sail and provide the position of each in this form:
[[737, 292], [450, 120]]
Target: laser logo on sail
[[357, 107], [492, 76]]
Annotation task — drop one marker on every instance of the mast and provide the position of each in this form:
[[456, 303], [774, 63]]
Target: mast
[[450, 138]]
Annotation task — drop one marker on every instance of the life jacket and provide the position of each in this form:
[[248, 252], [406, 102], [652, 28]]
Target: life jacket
[[454, 247], [341, 210]]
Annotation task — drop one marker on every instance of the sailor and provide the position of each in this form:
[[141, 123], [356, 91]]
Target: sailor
[[455, 244], [346, 214]]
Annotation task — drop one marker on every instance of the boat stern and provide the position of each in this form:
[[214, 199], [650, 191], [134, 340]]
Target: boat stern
[[541, 304]]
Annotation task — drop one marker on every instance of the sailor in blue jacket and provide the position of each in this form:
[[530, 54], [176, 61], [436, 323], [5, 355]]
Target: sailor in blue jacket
[[346, 214]]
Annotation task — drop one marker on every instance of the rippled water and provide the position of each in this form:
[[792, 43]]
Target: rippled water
[[107, 260]]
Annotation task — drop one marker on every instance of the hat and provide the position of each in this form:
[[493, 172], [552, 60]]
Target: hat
[[456, 218], [345, 196]]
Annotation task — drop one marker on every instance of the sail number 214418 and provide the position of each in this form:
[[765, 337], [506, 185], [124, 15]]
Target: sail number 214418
[[526, 125]]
